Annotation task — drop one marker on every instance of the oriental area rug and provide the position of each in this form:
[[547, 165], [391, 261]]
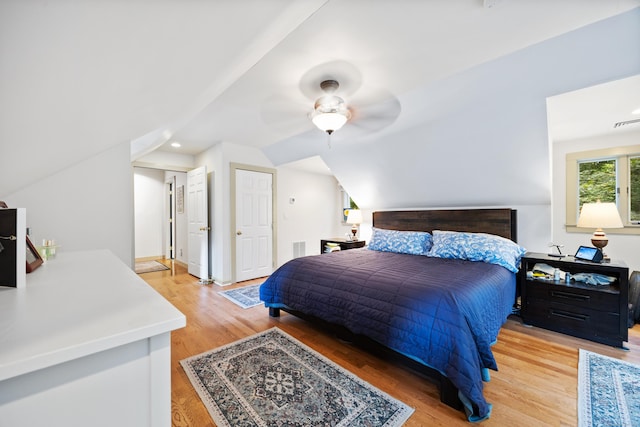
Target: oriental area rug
[[271, 379], [608, 391], [245, 297], [149, 267]]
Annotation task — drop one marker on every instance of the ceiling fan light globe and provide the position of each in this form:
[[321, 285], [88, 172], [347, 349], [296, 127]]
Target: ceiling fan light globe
[[330, 102], [329, 122]]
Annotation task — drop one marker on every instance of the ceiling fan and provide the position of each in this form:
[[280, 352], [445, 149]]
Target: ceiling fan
[[330, 97], [330, 112]]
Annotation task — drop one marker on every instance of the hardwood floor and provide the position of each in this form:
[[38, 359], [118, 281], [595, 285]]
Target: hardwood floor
[[536, 384]]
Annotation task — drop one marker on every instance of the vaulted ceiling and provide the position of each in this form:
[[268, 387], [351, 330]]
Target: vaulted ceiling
[[78, 78]]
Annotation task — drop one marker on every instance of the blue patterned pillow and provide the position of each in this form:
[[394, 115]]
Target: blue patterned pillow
[[402, 242], [477, 247]]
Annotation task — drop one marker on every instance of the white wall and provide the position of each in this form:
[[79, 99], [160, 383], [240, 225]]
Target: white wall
[[620, 247], [482, 142], [168, 161], [315, 214], [149, 191], [483, 139], [86, 206], [217, 160]]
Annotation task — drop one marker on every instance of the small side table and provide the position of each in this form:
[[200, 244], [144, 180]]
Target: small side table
[[342, 242]]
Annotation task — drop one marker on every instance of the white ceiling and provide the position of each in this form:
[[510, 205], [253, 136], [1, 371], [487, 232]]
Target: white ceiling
[[81, 77], [594, 111], [382, 50]]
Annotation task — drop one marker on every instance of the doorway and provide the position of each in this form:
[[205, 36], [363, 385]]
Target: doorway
[[253, 228], [170, 221], [198, 223]]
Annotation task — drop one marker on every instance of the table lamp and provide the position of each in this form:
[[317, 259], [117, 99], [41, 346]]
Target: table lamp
[[600, 215], [354, 217]]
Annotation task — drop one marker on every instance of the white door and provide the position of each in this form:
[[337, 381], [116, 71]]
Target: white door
[[254, 224], [198, 223]]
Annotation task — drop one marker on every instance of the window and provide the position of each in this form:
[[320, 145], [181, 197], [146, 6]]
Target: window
[[347, 203], [609, 175], [597, 180]]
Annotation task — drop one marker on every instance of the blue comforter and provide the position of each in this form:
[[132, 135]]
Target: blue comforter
[[443, 313]]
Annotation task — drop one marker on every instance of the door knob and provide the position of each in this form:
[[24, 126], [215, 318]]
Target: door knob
[[238, 232], [205, 228]]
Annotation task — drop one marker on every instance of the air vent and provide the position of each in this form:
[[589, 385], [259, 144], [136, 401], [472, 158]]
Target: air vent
[[628, 122]]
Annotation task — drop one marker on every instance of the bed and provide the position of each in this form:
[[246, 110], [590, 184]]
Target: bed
[[427, 289]]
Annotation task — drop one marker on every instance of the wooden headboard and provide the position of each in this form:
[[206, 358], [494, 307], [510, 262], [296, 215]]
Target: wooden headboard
[[501, 222]]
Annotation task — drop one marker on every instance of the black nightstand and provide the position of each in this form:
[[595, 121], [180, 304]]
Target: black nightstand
[[344, 243], [595, 312]]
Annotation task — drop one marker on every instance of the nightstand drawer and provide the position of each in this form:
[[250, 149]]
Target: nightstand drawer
[[570, 319], [576, 297]]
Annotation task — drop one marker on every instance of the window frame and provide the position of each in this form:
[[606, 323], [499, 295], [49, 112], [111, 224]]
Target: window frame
[[347, 203], [621, 155]]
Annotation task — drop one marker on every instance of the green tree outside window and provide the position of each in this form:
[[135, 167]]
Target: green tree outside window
[[597, 181]]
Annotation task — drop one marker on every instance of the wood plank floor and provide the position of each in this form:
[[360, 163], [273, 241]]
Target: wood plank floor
[[536, 384]]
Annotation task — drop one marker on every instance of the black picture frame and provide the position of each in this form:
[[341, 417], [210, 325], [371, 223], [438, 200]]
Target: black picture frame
[[34, 260]]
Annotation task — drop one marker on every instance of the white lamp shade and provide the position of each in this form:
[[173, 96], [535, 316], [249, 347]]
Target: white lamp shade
[[600, 215], [329, 121], [354, 216]]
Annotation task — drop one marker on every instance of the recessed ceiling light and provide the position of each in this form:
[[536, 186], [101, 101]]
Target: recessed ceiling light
[[176, 145]]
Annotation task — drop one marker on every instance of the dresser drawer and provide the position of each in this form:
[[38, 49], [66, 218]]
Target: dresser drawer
[[570, 319], [574, 296]]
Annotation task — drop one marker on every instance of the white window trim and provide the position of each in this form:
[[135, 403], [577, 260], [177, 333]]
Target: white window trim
[[571, 204]]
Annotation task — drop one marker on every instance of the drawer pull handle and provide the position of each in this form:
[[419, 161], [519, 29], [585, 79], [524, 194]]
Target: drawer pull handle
[[567, 295], [581, 317]]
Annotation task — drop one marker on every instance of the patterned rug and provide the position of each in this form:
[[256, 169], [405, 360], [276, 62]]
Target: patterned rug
[[271, 379], [149, 267], [245, 297], [608, 391]]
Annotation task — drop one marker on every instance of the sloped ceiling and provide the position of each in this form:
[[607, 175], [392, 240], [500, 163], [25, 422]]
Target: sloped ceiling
[[596, 110], [81, 77]]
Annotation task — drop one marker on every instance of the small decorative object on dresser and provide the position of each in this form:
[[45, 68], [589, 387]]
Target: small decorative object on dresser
[[592, 304], [330, 245], [34, 260]]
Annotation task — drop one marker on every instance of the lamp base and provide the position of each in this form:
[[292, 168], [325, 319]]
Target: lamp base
[[599, 239], [354, 230]]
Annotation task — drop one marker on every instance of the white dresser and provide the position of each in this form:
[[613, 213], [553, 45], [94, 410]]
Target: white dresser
[[85, 343]]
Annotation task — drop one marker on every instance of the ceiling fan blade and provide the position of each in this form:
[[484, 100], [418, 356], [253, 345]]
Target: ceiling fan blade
[[286, 114], [300, 146], [376, 116]]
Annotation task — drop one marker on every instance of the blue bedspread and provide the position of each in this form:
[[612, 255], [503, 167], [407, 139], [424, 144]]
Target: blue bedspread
[[443, 313]]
